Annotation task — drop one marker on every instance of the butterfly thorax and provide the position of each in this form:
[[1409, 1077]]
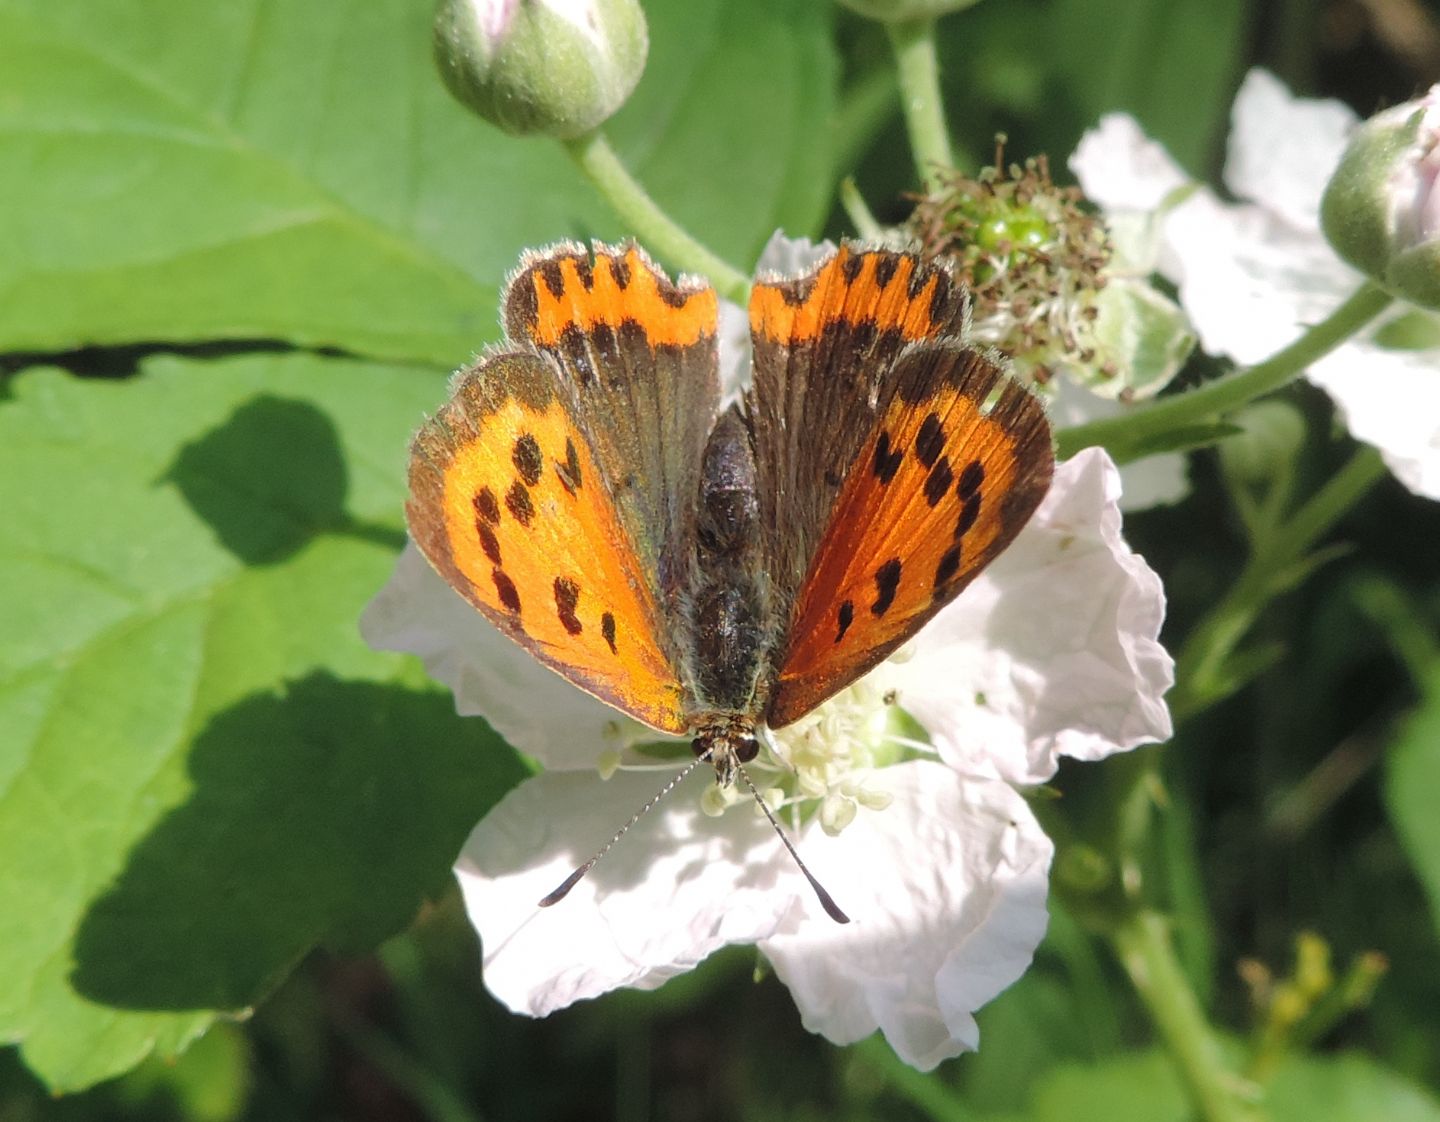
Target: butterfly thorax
[[728, 617]]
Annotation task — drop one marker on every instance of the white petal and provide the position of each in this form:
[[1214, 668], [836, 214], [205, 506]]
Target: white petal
[[1120, 168], [946, 893], [733, 338], [1053, 650], [1251, 281], [1391, 399], [789, 257], [678, 886], [1283, 149], [532, 707]]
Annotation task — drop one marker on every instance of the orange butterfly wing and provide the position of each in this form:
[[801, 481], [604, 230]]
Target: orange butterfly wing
[[513, 495], [914, 476], [941, 487]]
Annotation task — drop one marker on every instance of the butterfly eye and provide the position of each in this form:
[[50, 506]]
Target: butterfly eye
[[747, 749]]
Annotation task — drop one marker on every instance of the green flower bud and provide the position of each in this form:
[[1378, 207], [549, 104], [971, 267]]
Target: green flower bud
[[1381, 208], [897, 11], [550, 67]]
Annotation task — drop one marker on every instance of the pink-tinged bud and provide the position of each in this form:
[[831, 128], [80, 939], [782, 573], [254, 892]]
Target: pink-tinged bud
[[541, 67], [1381, 209]]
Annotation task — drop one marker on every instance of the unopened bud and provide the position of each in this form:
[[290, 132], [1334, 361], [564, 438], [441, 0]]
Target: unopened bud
[[1381, 209], [549, 67]]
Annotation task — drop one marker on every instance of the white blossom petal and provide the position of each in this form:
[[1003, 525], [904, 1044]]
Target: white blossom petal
[[733, 343], [677, 887], [1250, 281], [946, 889], [1282, 149], [1120, 168], [1255, 275], [789, 257], [1394, 405], [490, 675], [1053, 650]]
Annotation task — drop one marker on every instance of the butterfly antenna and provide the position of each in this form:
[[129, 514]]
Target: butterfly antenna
[[574, 878], [832, 909]]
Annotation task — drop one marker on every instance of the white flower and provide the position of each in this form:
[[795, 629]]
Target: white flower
[[939, 862], [1254, 275]]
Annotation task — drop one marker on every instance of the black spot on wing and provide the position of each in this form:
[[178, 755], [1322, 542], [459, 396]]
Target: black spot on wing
[[845, 617], [887, 582], [971, 479], [569, 470], [931, 440], [949, 565], [518, 503], [567, 599], [488, 542], [505, 589], [528, 460], [937, 483], [487, 506], [968, 514], [887, 462]]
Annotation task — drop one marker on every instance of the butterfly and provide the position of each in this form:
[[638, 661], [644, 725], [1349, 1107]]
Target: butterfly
[[710, 568]]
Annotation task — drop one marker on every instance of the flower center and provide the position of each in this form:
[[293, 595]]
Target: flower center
[[822, 764], [1034, 261]]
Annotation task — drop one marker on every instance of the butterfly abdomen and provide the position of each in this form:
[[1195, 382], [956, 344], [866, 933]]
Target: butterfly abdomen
[[729, 604]]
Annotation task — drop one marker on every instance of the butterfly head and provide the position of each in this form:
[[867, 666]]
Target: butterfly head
[[726, 741]]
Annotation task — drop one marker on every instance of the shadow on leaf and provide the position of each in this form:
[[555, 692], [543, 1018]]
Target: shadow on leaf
[[321, 817], [269, 479]]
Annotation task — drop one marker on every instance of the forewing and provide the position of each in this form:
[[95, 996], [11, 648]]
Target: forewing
[[637, 354], [824, 345], [550, 491], [902, 463]]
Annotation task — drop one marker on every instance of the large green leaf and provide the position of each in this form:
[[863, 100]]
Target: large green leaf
[[204, 772], [292, 169], [1173, 64]]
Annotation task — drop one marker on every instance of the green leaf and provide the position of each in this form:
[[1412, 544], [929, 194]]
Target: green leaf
[[209, 1083], [1173, 64], [1346, 1088], [1412, 776], [205, 772], [1141, 1087], [185, 172]]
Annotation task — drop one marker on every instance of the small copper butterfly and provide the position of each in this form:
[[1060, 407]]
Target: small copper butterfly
[[710, 569]]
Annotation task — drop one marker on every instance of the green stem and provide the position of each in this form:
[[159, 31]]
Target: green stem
[[1143, 944], [1128, 435], [1202, 658], [653, 226], [918, 70], [856, 209]]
